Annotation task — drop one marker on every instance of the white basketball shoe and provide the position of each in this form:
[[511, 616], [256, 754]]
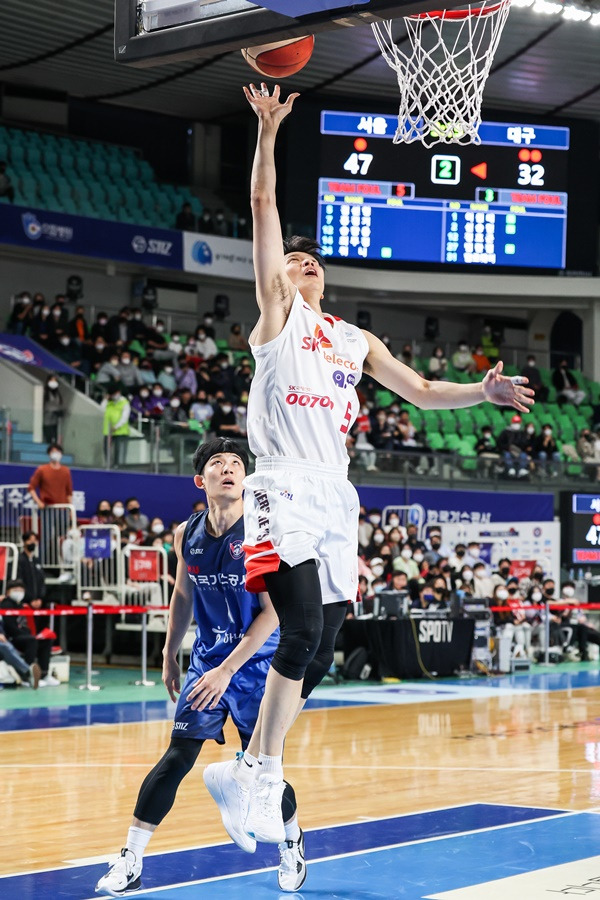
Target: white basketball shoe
[[231, 796], [123, 877], [265, 820]]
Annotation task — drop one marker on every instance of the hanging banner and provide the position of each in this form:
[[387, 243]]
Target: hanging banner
[[97, 543], [211, 254], [19, 349]]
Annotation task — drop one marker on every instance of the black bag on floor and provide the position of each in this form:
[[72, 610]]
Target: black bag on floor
[[357, 667]]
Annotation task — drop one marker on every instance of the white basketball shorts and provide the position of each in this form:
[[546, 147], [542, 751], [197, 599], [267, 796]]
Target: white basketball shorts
[[296, 510]]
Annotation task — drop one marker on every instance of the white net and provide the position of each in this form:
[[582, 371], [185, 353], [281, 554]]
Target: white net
[[443, 73]]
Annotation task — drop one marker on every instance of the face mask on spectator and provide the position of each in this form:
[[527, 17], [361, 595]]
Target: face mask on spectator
[[391, 420], [100, 346], [515, 426], [447, 568], [547, 431], [365, 411], [17, 595], [374, 519], [378, 539], [549, 591], [65, 341], [137, 316], [114, 361], [168, 370], [504, 571], [160, 328], [118, 511], [502, 594], [158, 528], [418, 557], [175, 402], [512, 589], [102, 320], [460, 554], [56, 313], [144, 393], [487, 435], [393, 521], [157, 392], [55, 455], [406, 553], [428, 597], [463, 348], [45, 312], [133, 511], [479, 572], [467, 576], [104, 512], [132, 538], [531, 362], [530, 429], [536, 596], [31, 546], [474, 552], [125, 360], [53, 385], [226, 407], [568, 591], [208, 320], [377, 570]]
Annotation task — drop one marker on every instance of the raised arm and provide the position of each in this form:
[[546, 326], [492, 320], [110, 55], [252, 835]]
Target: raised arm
[[397, 377], [274, 290]]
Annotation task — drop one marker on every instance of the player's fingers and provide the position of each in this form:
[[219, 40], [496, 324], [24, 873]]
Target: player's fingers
[[276, 91], [290, 100], [498, 368]]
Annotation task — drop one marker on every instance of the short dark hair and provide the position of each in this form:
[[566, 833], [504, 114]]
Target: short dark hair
[[13, 584], [299, 244], [219, 445], [29, 534], [53, 447]]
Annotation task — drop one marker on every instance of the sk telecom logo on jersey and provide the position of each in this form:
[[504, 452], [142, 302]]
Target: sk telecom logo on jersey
[[317, 342]]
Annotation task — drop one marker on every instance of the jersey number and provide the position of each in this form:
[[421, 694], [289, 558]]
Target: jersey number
[[347, 419]]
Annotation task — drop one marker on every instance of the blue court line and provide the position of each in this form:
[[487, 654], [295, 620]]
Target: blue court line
[[77, 882], [415, 872], [552, 680], [114, 713]]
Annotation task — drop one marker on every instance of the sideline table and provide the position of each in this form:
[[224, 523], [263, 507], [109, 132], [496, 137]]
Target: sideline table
[[444, 644]]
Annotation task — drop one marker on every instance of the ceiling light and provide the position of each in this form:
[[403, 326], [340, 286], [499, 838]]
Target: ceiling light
[[522, 3], [547, 8], [574, 14], [595, 20]]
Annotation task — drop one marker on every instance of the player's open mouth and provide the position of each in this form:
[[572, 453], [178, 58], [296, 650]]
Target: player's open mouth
[[228, 482], [310, 272]]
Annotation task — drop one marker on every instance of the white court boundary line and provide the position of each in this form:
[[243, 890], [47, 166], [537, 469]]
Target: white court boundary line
[[364, 852], [418, 812]]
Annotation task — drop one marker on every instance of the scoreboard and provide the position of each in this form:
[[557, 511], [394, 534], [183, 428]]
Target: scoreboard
[[584, 531], [503, 202]]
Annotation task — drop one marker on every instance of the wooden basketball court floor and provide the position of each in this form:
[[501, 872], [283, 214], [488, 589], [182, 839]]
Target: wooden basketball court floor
[[459, 789]]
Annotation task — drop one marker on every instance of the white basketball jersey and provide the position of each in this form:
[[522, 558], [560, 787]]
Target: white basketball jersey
[[303, 399]]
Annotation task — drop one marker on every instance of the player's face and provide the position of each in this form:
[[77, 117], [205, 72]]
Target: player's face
[[305, 272], [222, 477]]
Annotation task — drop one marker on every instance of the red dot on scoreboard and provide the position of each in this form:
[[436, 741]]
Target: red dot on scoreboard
[[524, 154], [536, 155], [596, 519], [360, 144]]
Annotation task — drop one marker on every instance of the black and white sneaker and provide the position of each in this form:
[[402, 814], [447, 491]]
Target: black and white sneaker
[[123, 877], [291, 873]]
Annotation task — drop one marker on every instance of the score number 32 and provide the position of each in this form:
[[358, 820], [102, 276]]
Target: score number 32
[[533, 175]]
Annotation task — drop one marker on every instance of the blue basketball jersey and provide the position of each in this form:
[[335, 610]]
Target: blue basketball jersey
[[223, 608]]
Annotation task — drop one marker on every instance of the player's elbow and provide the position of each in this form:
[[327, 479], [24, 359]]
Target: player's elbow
[[261, 198], [421, 394]]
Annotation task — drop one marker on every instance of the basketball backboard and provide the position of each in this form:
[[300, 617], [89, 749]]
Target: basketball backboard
[[154, 32]]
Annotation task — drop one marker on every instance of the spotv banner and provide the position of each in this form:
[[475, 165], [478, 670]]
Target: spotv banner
[[210, 254], [85, 236]]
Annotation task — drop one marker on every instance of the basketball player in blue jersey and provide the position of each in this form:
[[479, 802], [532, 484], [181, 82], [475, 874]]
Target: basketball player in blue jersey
[[300, 510], [235, 640]]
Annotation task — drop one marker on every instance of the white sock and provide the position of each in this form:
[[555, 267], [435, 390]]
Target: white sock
[[247, 770], [271, 765], [137, 841], [292, 830]]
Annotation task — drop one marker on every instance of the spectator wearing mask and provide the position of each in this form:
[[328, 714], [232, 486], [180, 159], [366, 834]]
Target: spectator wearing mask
[[486, 450], [157, 345], [201, 410], [32, 648], [54, 409], [376, 542], [483, 586], [129, 374], [412, 537], [511, 444], [441, 594], [456, 559], [118, 514], [30, 572], [405, 430], [206, 224], [482, 363], [502, 574], [567, 387], [377, 567], [166, 378], [157, 402], [175, 416], [489, 343], [78, 328], [437, 367], [435, 550], [383, 430], [222, 375], [103, 514], [534, 375], [116, 426], [462, 359], [588, 448], [176, 343], [584, 631], [108, 371], [147, 372], [100, 328], [365, 596], [185, 376], [223, 421], [405, 563], [464, 582], [69, 350], [473, 554], [137, 330], [51, 483], [97, 352], [546, 594], [204, 346], [427, 599], [156, 527], [394, 539], [242, 378], [41, 329], [117, 328], [22, 312], [221, 225], [546, 453], [134, 517], [236, 340], [186, 220]]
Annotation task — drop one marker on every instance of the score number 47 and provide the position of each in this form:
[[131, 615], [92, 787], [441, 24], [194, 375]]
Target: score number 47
[[358, 163], [593, 535]]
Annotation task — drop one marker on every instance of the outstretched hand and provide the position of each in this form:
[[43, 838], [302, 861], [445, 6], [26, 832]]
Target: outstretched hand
[[267, 106], [504, 391]]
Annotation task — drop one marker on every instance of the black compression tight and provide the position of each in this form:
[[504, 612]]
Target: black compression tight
[[158, 790], [333, 619], [295, 592]]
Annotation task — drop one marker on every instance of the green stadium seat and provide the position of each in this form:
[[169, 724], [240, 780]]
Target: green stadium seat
[[435, 440]]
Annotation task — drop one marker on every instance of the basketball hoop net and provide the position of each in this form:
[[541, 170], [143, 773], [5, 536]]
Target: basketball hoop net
[[442, 76]]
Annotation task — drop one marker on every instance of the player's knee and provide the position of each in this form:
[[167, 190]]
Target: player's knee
[[296, 650], [316, 671], [182, 754]]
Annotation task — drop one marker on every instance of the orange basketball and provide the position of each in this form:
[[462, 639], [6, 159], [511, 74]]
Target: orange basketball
[[282, 59]]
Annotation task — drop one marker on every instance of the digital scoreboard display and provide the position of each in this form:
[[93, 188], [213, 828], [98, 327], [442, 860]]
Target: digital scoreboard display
[[501, 203], [585, 530]]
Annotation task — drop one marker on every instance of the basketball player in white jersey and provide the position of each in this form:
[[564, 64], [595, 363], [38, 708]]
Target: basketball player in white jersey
[[300, 510]]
